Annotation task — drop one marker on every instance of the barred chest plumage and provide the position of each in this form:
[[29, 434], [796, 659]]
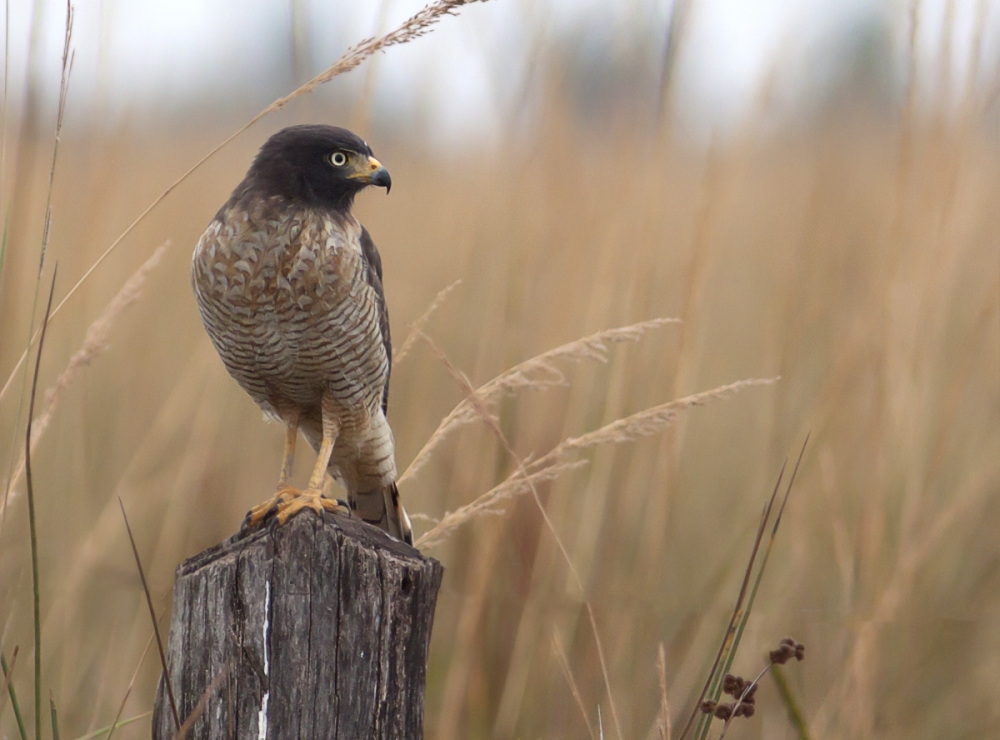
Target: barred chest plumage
[[286, 300]]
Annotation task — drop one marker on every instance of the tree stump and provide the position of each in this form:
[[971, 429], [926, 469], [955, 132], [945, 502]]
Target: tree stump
[[317, 629]]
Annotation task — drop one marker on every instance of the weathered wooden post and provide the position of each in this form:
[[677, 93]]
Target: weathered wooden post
[[317, 629]]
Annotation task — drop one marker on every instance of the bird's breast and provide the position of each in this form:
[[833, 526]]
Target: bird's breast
[[263, 260], [284, 296]]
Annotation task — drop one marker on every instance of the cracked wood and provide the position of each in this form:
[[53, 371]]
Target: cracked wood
[[318, 629]]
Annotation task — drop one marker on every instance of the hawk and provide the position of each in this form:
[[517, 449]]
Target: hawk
[[289, 287]]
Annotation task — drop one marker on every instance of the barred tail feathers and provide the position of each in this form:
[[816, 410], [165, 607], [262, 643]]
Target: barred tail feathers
[[383, 509], [399, 515]]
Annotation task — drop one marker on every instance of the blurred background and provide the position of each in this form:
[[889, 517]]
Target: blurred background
[[811, 186]]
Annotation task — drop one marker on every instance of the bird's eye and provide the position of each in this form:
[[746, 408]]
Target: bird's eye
[[338, 159]]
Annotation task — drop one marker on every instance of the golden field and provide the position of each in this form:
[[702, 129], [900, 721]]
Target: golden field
[[855, 257]]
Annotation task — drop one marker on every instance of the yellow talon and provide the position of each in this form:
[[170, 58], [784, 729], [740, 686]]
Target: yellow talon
[[309, 500], [288, 502], [282, 497]]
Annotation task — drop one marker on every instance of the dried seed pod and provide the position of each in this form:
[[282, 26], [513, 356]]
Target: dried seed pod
[[781, 655], [730, 684], [724, 711]]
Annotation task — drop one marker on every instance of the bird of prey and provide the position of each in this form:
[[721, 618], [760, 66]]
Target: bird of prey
[[289, 287]]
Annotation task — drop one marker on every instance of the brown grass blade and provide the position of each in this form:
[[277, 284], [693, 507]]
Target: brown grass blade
[[661, 672], [418, 326], [568, 674], [152, 616], [202, 705]]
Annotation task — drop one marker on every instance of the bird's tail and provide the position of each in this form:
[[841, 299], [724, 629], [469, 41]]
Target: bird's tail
[[383, 508]]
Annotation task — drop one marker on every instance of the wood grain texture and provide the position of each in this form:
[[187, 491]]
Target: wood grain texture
[[318, 629]]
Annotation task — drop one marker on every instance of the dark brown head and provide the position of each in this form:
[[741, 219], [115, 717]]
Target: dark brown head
[[316, 165]]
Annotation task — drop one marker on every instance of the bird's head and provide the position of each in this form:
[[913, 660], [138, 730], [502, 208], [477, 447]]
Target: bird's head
[[317, 165]]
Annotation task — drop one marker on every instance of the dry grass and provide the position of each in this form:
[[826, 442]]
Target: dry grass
[[94, 342], [855, 259]]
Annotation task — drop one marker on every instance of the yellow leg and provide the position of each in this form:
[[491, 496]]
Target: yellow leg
[[286, 492], [291, 435], [289, 501], [312, 497]]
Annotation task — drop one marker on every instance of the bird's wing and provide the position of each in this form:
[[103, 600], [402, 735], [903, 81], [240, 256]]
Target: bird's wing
[[374, 277]]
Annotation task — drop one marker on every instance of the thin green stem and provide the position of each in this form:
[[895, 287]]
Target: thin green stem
[[107, 730], [713, 682], [13, 694], [791, 706], [764, 559], [55, 717]]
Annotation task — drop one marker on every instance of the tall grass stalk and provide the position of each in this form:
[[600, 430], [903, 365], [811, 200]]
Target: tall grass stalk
[[67, 63], [714, 680], [32, 523], [727, 666], [743, 611], [557, 648], [484, 414], [152, 616]]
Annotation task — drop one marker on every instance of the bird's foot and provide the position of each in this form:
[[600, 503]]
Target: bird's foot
[[310, 500], [258, 514], [287, 502]]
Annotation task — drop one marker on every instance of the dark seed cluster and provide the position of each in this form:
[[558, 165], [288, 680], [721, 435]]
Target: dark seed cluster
[[744, 691], [787, 649]]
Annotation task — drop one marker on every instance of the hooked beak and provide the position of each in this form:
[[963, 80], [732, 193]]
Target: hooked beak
[[371, 172]]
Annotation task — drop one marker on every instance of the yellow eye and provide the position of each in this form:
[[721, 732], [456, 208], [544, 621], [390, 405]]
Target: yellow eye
[[338, 159]]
